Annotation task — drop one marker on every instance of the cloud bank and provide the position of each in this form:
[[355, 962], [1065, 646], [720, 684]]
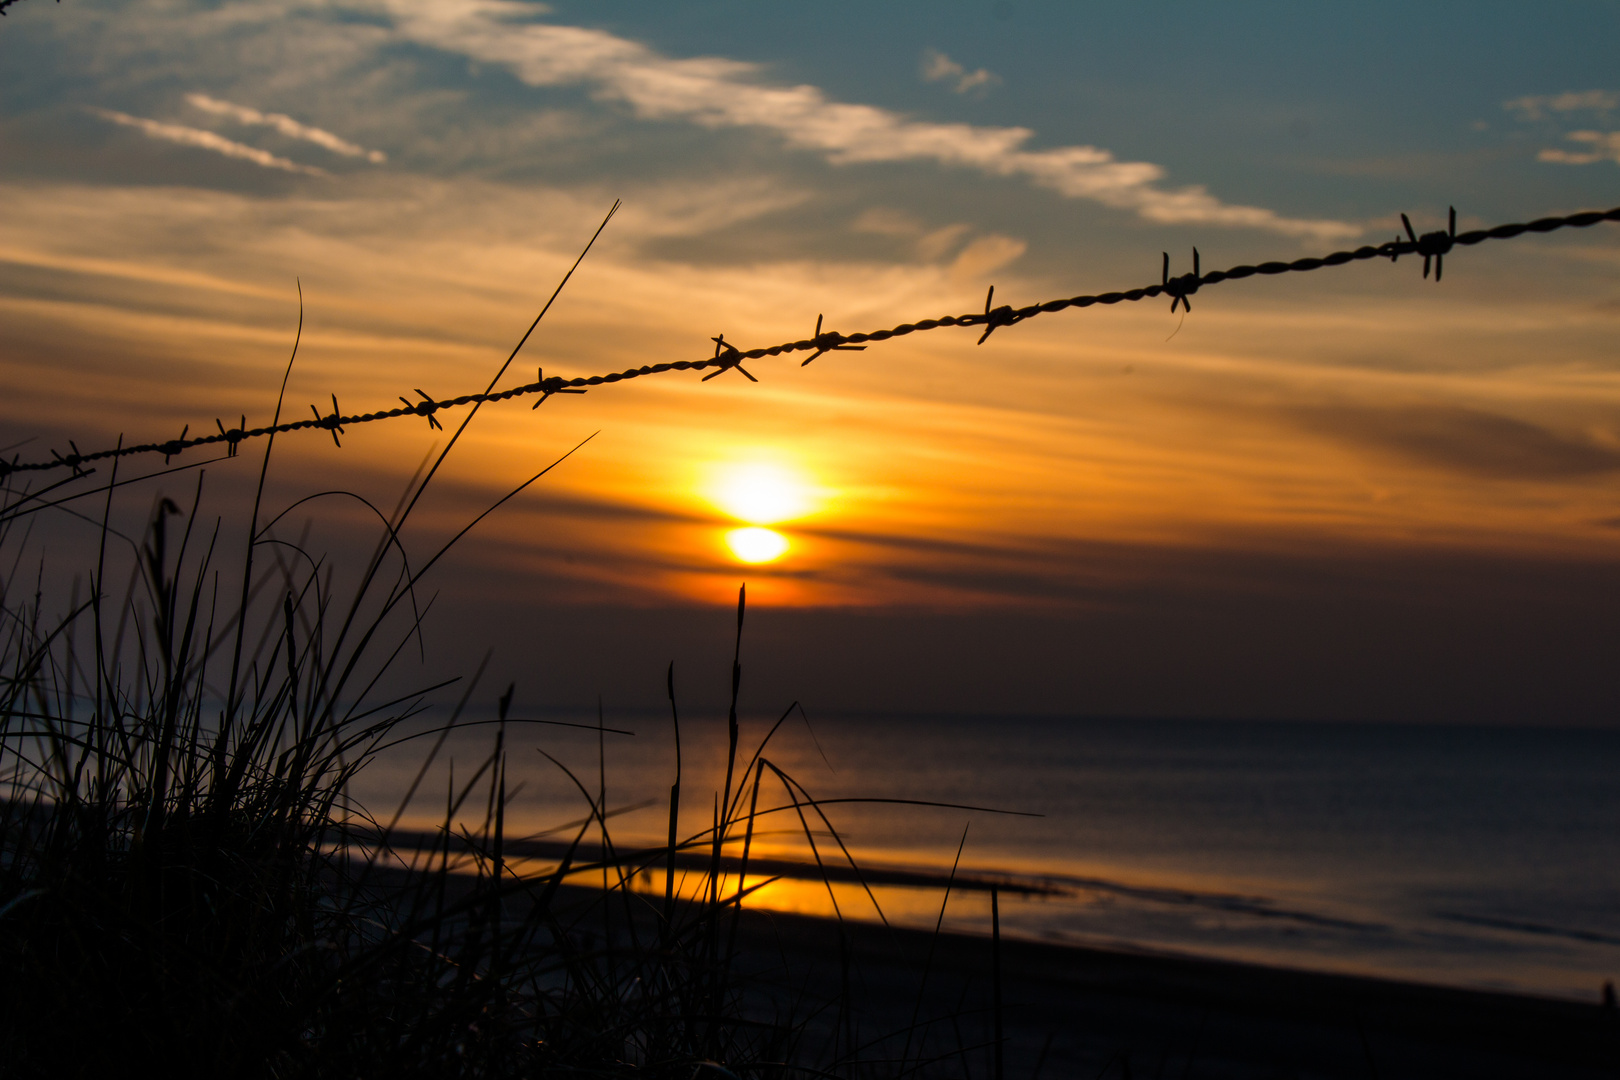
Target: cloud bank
[[719, 93]]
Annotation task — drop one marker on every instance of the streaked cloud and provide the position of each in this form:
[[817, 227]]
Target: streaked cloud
[[1605, 147], [206, 140], [285, 125], [1537, 107], [974, 258], [1464, 440], [718, 93], [937, 67], [986, 255]]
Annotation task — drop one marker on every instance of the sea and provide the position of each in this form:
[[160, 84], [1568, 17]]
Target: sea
[[1485, 857]]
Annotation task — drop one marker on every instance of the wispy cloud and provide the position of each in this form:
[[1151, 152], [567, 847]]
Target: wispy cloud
[[206, 140], [1537, 107], [1463, 440], [937, 67], [1605, 147], [284, 124], [983, 255], [986, 255], [716, 92]]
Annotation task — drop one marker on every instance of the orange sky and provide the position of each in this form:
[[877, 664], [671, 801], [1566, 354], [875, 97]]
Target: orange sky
[[1359, 405]]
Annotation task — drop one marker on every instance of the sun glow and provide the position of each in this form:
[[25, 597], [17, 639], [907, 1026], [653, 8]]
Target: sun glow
[[756, 545], [761, 493]]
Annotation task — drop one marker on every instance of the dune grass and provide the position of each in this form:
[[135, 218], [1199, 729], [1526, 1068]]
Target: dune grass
[[185, 884]]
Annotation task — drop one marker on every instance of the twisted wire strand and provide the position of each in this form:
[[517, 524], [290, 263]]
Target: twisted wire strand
[[1433, 245]]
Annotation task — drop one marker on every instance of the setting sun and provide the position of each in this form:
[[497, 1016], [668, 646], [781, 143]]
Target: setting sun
[[756, 545], [760, 493]]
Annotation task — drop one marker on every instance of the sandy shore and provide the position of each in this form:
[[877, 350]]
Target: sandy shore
[[1071, 1012]]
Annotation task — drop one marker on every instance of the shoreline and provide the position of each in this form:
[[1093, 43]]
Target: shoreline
[[886, 994], [1082, 1011], [904, 891]]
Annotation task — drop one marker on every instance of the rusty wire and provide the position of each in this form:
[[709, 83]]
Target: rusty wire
[[1433, 246]]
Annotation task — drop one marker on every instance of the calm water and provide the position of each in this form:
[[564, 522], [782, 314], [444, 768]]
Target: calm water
[[1485, 857]]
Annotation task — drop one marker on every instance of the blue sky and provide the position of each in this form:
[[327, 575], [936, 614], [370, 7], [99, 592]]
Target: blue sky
[[1310, 113]]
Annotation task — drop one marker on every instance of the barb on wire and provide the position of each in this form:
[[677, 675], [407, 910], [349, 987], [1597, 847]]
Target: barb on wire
[[169, 449], [1180, 288], [540, 380], [826, 343], [427, 408], [727, 356], [333, 423], [233, 436], [994, 317], [1433, 246]]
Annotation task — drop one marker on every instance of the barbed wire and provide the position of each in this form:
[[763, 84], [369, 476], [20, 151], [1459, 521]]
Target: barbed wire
[[1433, 246], [7, 3]]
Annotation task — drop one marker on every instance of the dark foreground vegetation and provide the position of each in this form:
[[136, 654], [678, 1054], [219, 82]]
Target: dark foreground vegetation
[[185, 886]]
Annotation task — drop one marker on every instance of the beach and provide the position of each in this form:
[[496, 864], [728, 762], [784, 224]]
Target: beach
[[1470, 857], [1073, 1012]]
